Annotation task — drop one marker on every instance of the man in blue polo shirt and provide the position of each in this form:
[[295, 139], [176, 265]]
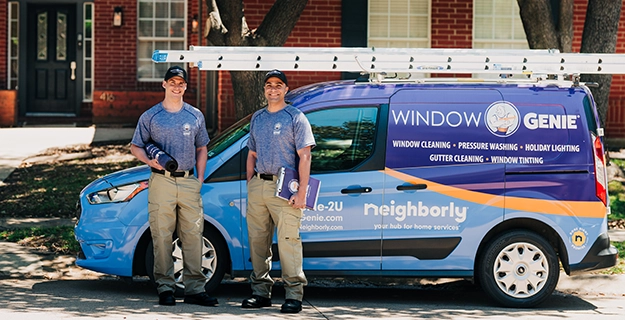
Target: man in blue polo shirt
[[280, 136], [174, 201]]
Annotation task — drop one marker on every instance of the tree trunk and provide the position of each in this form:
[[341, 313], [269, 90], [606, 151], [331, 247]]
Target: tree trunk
[[600, 32], [565, 26], [538, 23], [546, 26], [274, 30]]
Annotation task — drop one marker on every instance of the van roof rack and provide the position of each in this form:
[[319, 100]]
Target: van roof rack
[[380, 62]]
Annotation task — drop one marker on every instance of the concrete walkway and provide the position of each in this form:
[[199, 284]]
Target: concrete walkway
[[17, 144], [20, 262]]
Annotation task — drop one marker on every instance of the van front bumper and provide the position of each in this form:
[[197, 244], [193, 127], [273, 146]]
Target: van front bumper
[[600, 256]]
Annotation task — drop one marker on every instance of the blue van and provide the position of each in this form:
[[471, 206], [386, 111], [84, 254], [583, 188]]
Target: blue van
[[497, 181]]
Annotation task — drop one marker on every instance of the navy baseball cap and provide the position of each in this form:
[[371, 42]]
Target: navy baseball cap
[[176, 71], [277, 74]]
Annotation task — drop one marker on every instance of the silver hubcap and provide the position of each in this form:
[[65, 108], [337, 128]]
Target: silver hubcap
[[521, 270], [209, 260]]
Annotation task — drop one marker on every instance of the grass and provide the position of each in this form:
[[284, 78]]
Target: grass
[[52, 189], [617, 200], [56, 239], [619, 268]]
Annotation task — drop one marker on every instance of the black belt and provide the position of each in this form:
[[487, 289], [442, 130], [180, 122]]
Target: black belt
[[176, 174], [265, 176]]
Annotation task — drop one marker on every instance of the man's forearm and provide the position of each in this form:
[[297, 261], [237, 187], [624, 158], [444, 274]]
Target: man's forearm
[[201, 157]]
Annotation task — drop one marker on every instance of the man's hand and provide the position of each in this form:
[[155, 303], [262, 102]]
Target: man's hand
[[298, 200], [154, 164]]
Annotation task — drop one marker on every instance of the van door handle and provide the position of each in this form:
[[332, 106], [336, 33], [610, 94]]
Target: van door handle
[[418, 186], [356, 190]]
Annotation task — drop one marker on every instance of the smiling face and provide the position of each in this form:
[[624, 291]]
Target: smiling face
[[175, 87], [275, 90]]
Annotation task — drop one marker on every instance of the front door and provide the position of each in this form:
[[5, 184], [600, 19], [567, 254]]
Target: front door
[[51, 60]]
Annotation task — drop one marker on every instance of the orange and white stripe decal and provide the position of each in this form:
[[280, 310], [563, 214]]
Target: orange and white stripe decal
[[581, 209]]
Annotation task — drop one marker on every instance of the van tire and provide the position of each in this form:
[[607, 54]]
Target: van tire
[[214, 262], [522, 259]]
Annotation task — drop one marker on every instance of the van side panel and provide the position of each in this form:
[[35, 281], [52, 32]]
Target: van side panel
[[440, 185]]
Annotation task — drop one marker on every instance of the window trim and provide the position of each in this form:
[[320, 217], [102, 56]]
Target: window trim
[[169, 40], [498, 43], [88, 81], [407, 39], [13, 16]]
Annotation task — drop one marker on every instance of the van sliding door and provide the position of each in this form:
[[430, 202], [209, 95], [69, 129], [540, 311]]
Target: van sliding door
[[442, 190]]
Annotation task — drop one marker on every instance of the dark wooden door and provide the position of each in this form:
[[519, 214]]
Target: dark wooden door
[[51, 62]]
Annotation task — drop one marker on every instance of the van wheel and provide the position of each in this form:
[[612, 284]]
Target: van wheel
[[214, 261], [518, 269]]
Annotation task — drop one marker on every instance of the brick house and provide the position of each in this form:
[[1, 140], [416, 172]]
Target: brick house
[[77, 61]]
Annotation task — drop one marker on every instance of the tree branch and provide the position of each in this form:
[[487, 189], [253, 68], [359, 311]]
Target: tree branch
[[279, 22], [215, 29]]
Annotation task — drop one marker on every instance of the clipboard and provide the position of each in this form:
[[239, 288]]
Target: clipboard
[[288, 184]]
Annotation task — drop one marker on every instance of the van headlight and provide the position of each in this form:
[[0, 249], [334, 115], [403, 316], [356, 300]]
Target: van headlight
[[117, 194]]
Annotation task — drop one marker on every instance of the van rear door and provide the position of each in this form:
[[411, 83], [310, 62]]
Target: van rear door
[[551, 177]]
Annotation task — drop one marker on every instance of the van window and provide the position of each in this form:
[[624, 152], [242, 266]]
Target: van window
[[590, 115], [232, 170], [230, 136], [345, 137]]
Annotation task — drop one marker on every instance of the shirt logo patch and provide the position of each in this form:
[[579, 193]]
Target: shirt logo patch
[[186, 129], [277, 128]]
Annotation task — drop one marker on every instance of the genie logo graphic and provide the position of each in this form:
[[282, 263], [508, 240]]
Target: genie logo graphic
[[502, 118], [293, 185], [186, 129], [276, 128]]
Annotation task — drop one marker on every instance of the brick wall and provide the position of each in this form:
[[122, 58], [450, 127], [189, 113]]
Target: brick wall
[[8, 98], [8, 108], [319, 25], [452, 27], [122, 107], [115, 48], [452, 24], [118, 96]]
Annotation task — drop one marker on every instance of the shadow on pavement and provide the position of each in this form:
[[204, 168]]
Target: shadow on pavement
[[110, 297]]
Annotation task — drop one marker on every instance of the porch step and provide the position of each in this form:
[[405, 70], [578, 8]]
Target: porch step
[[54, 121]]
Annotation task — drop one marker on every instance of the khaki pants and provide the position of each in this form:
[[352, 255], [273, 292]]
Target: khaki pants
[[265, 212], [175, 203]]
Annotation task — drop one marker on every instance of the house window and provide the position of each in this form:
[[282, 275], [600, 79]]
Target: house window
[[87, 31], [13, 45], [497, 25], [399, 24], [161, 26]]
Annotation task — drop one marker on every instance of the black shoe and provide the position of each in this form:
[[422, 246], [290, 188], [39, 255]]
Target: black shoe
[[291, 306], [256, 302], [166, 298], [202, 299]]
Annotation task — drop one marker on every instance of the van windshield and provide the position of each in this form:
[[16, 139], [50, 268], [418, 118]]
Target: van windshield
[[228, 137]]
